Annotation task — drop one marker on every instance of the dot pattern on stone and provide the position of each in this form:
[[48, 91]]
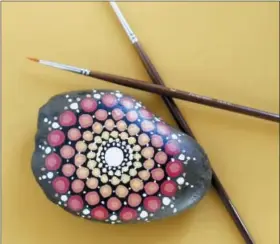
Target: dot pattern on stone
[[103, 156]]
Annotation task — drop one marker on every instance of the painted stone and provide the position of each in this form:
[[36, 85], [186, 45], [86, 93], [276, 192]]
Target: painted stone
[[103, 156]]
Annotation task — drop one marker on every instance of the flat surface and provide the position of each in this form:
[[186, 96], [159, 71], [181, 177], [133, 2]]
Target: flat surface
[[224, 50]]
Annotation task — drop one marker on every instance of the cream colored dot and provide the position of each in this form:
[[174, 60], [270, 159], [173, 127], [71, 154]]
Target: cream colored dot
[[96, 172], [91, 155], [98, 139], [82, 172], [92, 183], [97, 128], [125, 178], [136, 148], [136, 185], [91, 164], [87, 135], [92, 146], [148, 152], [133, 129], [144, 174], [149, 164], [132, 172], [114, 134], [109, 124], [143, 139], [105, 191], [81, 146], [131, 140], [105, 135], [121, 125], [124, 169], [137, 156], [118, 173], [115, 180], [137, 164], [121, 191], [124, 135], [80, 159], [104, 178]]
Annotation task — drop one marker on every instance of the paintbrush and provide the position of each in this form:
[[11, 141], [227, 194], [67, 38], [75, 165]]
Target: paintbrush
[[182, 123], [164, 91]]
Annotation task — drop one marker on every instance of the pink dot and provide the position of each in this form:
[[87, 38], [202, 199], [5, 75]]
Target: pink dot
[[147, 126], [128, 214], [174, 169], [99, 213], [152, 203], [85, 120], [163, 129], [145, 114], [68, 169], [56, 138], [172, 148], [67, 152], [157, 141], [117, 114], [75, 203], [77, 186], [67, 118], [74, 134], [109, 100], [114, 204], [127, 102], [88, 105], [161, 157], [101, 114], [134, 199], [53, 162], [92, 198], [151, 188], [157, 174], [61, 184], [168, 188], [132, 116]]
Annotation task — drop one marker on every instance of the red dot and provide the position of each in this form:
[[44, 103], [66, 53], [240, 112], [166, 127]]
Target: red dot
[[134, 199], [168, 188], [92, 198], [67, 118], [56, 138], [144, 113], [117, 114], [68, 169], [85, 120], [128, 214], [157, 174], [132, 116], [99, 213], [157, 141], [53, 162], [61, 184], [174, 169], [67, 152], [75, 203], [74, 134], [152, 203], [151, 188], [161, 157], [109, 100], [163, 129], [114, 204], [77, 186], [101, 114], [172, 148], [88, 105], [127, 102]]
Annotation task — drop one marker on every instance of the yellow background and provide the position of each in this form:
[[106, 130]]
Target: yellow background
[[224, 50]]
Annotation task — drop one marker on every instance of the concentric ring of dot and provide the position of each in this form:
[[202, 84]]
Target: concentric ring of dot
[[109, 159]]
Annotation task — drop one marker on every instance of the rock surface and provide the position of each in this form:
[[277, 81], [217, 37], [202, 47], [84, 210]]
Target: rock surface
[[103, 156]]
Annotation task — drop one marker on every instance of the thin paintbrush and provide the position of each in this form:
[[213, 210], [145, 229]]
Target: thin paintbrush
[[174, 110], [165, 91]]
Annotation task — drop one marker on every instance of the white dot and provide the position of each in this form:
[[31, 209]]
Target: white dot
[[44, 177], [97, 96], [48, 150], [50, 175], [143, 214], [166, 201], [172, 206], [86, 211], [181, 157], [46, 120], [64, 198], [113, 217], [114, 156], [74, 106], [174, 136], [174, 210], [180, 180]]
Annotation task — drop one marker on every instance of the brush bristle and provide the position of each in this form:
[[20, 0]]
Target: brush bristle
[[33, 59]]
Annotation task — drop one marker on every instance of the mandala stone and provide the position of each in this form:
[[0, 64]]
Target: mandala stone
[[103, 156]]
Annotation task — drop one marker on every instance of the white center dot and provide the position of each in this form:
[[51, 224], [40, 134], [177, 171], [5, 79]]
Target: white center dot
[[114, 156]]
